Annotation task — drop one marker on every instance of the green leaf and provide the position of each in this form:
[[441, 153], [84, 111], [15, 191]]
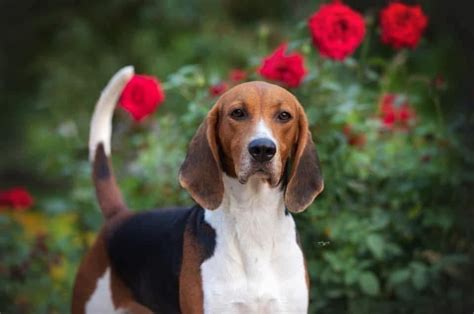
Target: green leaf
[[399, 276], [420, 279], [369, 283], [419, 275], [351, 276], [376, 245]]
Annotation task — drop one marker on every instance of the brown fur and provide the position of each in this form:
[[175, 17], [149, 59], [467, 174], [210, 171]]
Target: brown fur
[[223, 138], [190, 281], [262, 101], [92, 268], [306, 181], [200, 173], [107, 191]]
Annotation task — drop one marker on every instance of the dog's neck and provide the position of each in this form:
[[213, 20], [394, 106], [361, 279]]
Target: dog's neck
[[256, 197], [252, 218]]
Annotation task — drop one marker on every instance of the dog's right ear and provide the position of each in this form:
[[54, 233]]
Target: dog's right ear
[[201, 173]]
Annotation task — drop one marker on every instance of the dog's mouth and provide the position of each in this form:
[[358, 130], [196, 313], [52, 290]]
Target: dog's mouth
[[262, 171]]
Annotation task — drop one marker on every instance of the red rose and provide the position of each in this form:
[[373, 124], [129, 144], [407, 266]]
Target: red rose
[[337, 30], [218, 89], [405, 115], [387, 110], [354, 139], [16, 197], [141, 96], [237, 75], [402, 25], [288, 69], [396, 112]]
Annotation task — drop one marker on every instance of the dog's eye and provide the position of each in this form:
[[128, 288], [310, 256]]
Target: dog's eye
[[238, 114], [284, 116]]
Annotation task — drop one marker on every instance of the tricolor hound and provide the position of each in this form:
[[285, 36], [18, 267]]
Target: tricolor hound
[[250, 163]]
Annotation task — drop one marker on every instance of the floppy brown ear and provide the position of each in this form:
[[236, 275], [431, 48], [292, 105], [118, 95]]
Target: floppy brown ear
[[200, 173], [305, 181]]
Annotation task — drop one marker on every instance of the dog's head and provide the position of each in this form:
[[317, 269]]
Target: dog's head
[[257, 130]]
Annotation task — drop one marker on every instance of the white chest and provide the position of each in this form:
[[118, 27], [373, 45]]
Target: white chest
[[257, 265]]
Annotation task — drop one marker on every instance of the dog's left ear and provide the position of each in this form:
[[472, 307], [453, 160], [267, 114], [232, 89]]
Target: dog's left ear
[[305, 181], [200, 173]]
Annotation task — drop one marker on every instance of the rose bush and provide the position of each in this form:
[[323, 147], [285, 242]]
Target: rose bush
[[389, 234]]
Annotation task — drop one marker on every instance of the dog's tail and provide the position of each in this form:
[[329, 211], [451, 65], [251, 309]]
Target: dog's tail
[[108, 193]]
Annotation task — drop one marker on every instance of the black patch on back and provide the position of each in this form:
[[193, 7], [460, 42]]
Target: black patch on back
[[101, 165], [147, 250]]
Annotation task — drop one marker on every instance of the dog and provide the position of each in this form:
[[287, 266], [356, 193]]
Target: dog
[[251, 162]]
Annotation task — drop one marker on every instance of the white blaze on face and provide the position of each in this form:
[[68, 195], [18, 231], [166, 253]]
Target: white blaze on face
[[262, 131]]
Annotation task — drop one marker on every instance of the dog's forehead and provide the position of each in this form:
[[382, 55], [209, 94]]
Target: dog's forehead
[[258, 93]]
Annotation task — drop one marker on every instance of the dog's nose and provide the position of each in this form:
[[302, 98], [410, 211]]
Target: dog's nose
[[262, 149]]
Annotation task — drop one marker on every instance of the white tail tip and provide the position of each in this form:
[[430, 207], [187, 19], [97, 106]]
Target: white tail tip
[[101, 123]]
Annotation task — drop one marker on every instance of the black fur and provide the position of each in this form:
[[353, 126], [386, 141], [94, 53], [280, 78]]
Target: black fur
[[204, 234], [101, 165], [146, 251]]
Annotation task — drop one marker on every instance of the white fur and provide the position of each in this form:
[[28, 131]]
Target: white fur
[[101, 299], [262, 131], [101, 123], [257, 265]]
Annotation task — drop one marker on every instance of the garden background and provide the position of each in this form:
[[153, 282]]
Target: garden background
[[391, 233]]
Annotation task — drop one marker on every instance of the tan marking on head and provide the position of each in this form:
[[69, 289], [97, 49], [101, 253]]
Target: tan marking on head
[[262, 103], [221, 144]]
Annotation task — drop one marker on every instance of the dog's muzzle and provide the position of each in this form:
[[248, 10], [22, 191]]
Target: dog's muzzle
[[260, 161], [262, 149]]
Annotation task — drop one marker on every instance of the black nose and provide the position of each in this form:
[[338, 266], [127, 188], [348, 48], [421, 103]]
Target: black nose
[[262, 149]]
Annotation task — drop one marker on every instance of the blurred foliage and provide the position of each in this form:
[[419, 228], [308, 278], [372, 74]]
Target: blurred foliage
[[391, 233]]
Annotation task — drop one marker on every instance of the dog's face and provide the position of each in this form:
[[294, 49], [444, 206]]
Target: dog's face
[[255, 129]]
